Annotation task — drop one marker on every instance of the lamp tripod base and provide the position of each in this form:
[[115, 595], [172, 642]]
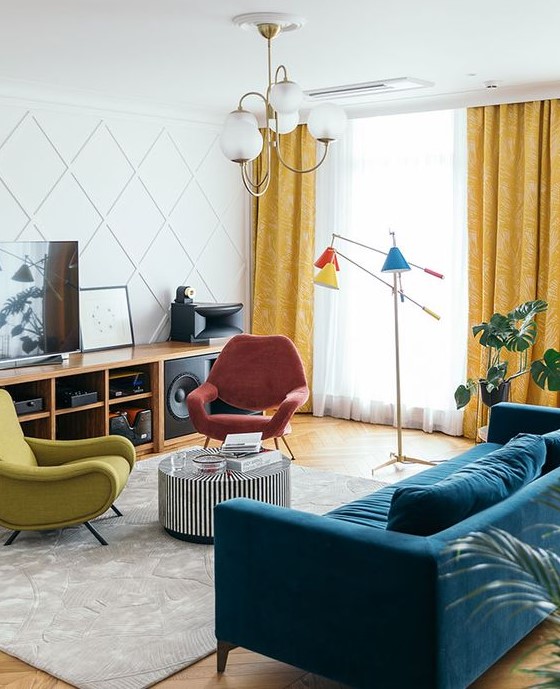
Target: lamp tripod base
[[395, 458]]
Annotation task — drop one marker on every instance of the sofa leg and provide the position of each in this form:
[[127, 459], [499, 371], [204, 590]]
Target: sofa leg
[[95, 533], [12, 537], [206, 442], [116, 511], [224, 647]]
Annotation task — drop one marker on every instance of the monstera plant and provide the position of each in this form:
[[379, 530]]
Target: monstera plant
[[514, 332]]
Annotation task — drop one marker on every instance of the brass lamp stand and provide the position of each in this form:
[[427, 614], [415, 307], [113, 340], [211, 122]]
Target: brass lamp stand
[[396, 264]]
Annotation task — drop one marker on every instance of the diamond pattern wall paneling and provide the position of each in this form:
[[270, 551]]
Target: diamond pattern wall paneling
[[30, 179], [152, 202]]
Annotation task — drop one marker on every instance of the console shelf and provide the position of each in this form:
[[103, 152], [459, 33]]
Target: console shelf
[[74, 410], [33, 416], [129, 398], [91, 372]]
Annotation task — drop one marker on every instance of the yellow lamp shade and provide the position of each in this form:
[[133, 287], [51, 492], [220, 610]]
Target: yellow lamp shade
[[326, 277]]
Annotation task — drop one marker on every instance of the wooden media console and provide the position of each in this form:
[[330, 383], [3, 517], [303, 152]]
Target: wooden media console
[[91, 372]]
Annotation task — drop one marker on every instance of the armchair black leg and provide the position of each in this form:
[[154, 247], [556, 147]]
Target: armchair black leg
[[12, 537], [224, 647], [96, 533], [116, 511]]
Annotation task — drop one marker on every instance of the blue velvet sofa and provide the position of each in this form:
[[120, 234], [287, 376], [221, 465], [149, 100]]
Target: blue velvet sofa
[[341, 596]]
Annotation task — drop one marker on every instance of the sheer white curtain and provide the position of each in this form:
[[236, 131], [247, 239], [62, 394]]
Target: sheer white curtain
[[406, 173]]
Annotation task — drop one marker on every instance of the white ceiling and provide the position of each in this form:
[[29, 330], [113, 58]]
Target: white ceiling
[[188, 54]]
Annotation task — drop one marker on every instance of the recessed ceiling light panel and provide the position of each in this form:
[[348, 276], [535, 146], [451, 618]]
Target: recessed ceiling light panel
[[354, 93]]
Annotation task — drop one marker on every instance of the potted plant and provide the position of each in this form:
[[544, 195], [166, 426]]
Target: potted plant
[[515, 332]]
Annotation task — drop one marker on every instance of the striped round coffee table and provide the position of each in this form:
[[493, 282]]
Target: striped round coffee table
[[187, 497]]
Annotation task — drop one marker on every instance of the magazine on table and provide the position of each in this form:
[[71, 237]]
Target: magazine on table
[[240, 444]]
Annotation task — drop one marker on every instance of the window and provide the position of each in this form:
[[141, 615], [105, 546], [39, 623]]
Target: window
[[405, 173]]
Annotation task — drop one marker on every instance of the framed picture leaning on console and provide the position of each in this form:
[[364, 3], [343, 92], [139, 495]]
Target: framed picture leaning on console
[[105, 320]]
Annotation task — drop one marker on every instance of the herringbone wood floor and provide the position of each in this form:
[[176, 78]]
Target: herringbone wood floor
[[346, 447]]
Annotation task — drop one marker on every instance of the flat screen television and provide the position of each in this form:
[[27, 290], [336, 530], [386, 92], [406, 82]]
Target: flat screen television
[[39, 302]]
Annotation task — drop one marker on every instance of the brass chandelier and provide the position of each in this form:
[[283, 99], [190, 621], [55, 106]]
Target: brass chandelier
[[241, 140]]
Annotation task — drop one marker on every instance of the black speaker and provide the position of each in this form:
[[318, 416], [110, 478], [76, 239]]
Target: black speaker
[[202, 322], [182, 376]]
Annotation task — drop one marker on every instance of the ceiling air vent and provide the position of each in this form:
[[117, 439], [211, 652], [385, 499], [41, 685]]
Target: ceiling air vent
[[364, 91]]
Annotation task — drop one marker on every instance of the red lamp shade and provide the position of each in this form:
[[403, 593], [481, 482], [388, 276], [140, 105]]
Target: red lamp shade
[[328, 256]]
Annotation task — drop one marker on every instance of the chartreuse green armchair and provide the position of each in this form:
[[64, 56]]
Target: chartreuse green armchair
[[50, 484]]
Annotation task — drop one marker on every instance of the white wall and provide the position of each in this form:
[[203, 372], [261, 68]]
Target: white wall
[[151, 200]]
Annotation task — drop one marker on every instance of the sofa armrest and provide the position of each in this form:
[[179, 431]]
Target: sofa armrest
[[325, 595], [507, 419]]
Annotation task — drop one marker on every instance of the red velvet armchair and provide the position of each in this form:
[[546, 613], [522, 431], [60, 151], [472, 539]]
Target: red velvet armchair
[[254, 372]]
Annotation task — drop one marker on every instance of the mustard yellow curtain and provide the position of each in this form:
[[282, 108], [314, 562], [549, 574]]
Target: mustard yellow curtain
[[514, 227], [283, 248]]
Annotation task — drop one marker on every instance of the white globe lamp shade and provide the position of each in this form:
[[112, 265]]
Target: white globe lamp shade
[[241, 115], [286, 97], [286, 123], [327, 122], [241, 141]]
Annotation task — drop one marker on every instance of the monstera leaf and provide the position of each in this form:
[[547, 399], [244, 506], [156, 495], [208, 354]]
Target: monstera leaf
[[464, 393], [546, 371], [528, 310], [496, 376], [524, 335], [494, 333]]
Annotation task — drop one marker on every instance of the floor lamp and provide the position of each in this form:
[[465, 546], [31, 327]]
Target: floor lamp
[[396, 264]]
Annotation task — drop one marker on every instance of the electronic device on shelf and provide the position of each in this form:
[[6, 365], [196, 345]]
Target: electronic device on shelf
[[72, 397], [133, 423], [39, 302], [28, 406], [125, 383]]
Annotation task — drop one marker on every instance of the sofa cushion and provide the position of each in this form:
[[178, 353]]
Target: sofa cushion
[[425, 510], [552, 442], [372, 510]]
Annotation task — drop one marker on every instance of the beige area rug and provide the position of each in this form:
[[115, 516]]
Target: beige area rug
[[130, 614]]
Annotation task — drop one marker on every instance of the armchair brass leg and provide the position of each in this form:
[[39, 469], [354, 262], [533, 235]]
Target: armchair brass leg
[[12, 537], [224, 647], [95, 533], [116, 511], [276, 445], [289, 448], [206, 442]]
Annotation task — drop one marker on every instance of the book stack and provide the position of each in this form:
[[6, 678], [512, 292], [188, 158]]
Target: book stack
[[244, 452], [253, 461]]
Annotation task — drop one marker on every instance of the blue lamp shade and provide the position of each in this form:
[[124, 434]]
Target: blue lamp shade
[[395, 262]]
